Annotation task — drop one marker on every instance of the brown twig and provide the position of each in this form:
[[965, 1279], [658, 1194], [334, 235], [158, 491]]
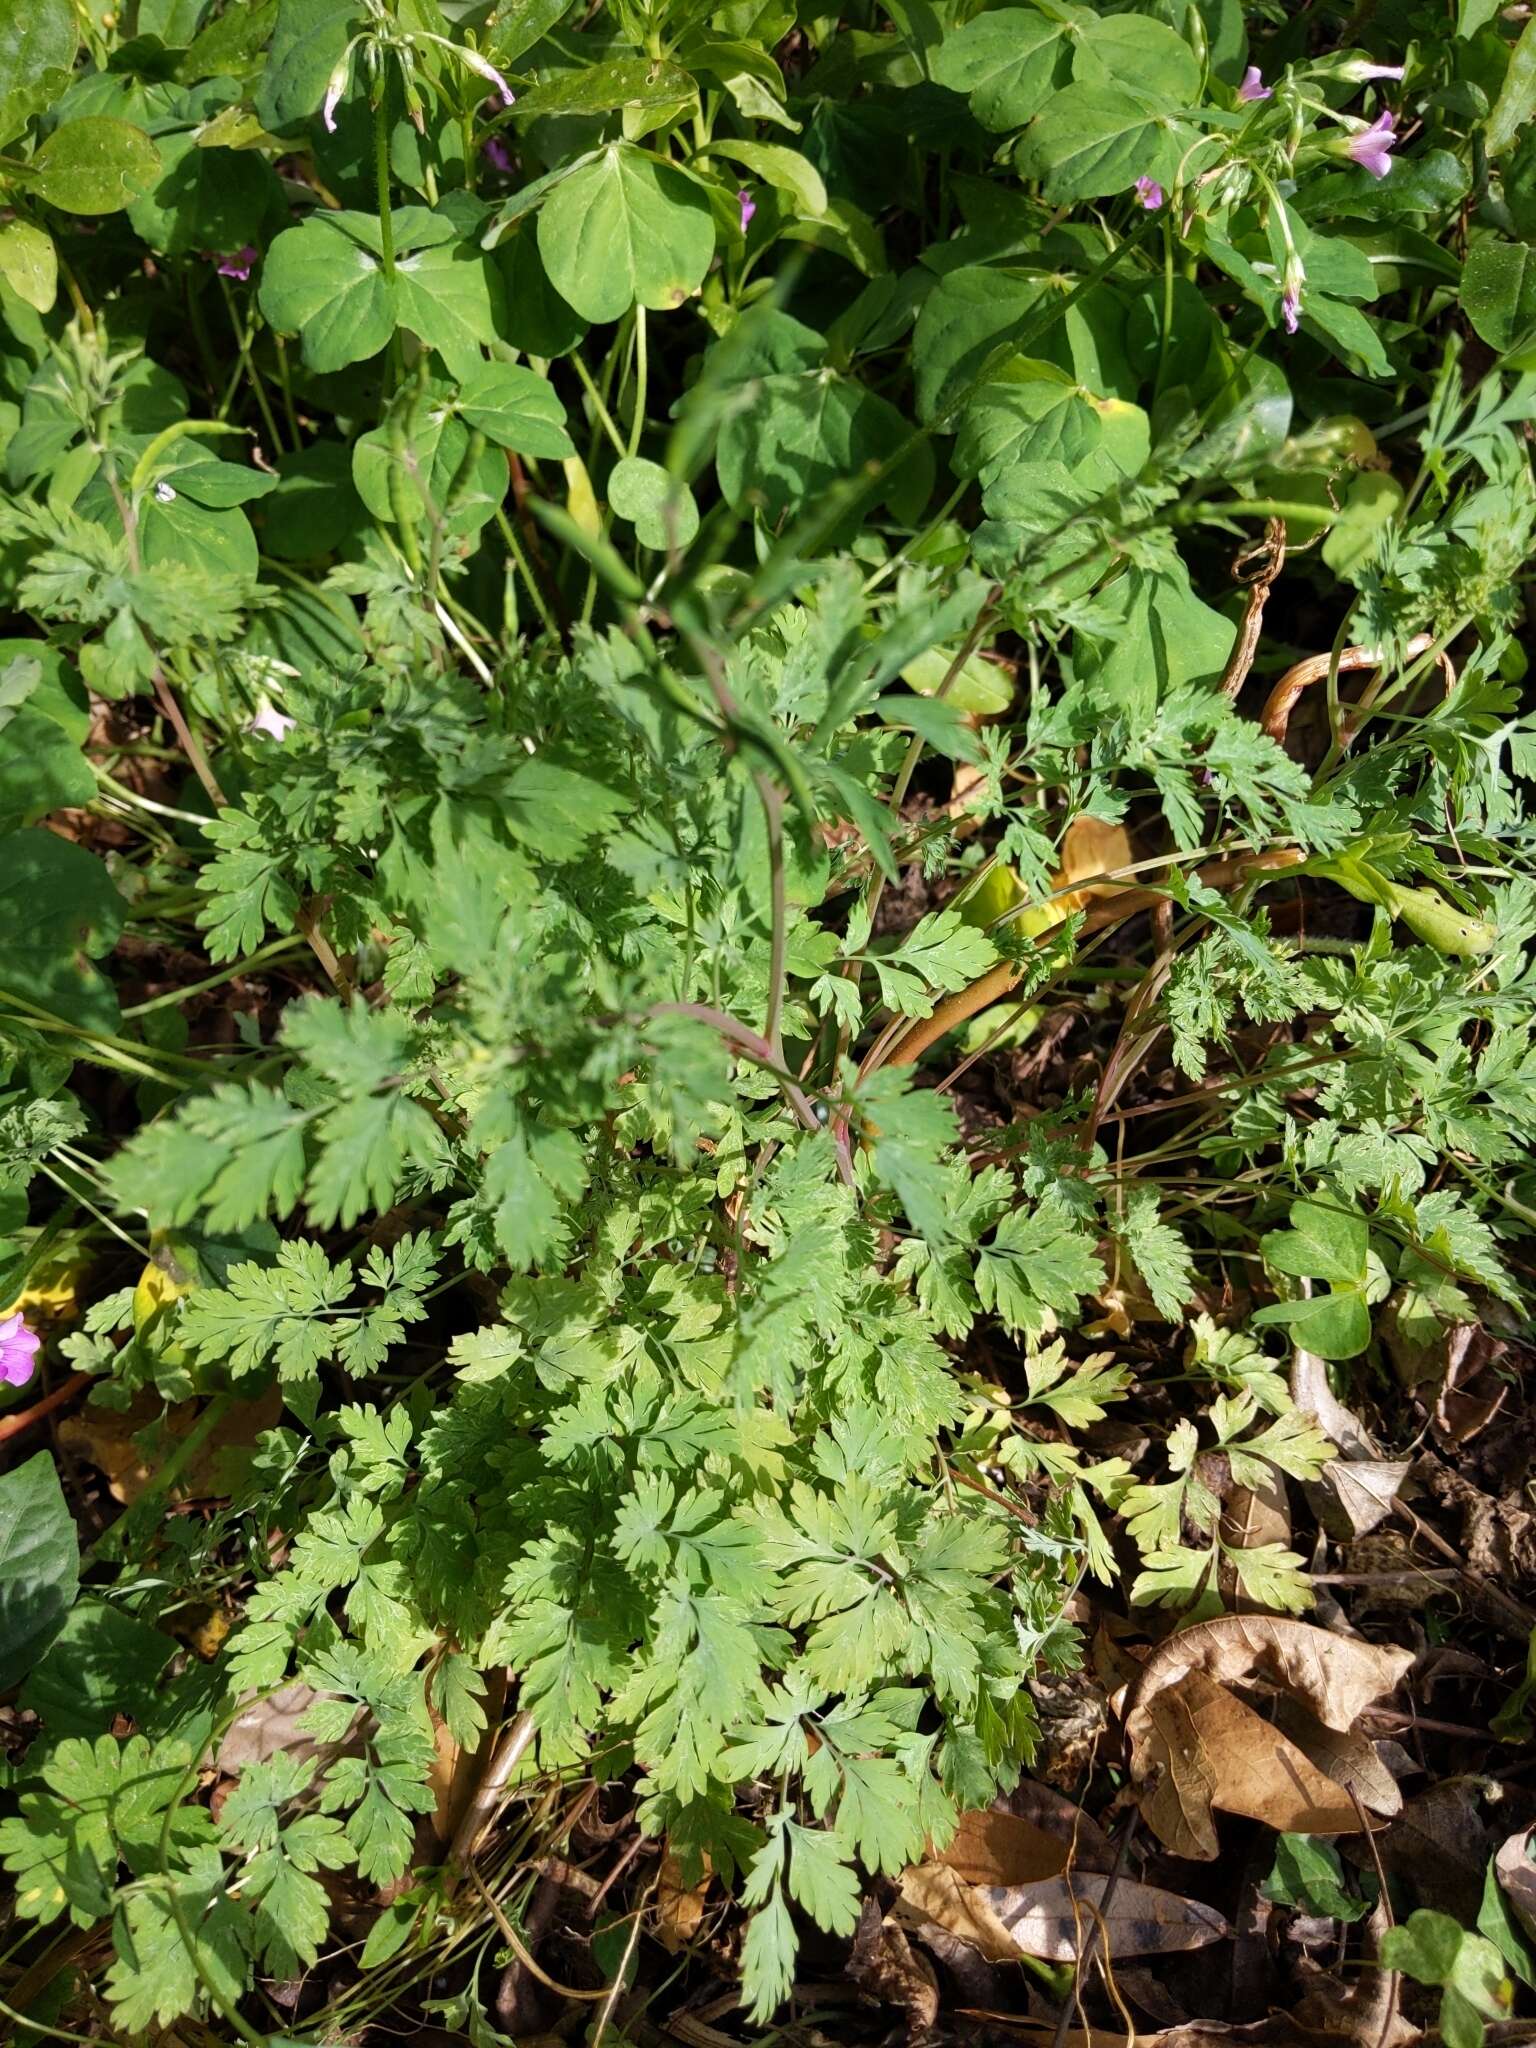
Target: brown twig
[[1257, 566], [14, 1425], [1281, 701]]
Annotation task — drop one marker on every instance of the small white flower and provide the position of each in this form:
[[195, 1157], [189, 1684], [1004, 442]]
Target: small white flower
[[272, 723], [164, 493]]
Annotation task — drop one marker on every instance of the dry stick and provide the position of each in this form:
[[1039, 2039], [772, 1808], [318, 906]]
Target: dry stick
[[510, 1936], [509, 1752], [1100, 1916], [1005, 977], [1394, 1982], [13, 1425], [1269, 554], [1282, 698]]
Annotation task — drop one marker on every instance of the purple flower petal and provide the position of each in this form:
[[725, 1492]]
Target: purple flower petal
[[19, 1347], [1371, 149], [1290, 310], [1149, 192], [494, 150], [238, 266], [748, 207], [1253, 86]]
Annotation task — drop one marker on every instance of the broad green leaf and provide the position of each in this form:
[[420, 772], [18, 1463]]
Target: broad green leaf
[[1321, 1244], [981, 686], [1092, 140], [965, 321], [103, 1662], [625, 230], [449, 294], [660, 509], [325, 287], [206, 198], [516, 408], [1005, 60], [58, 911], [41, 770], [516, 25], [39, 1562], [94, 165], [1034, 415], [1335, 1326], [1371, 503], [625, 82], [307, 43], [801, 435], [1147, 56], [1516, 103], [29, 263], [38, 40], [1498, 291], [1308, 1873], [785, 169], [436, 452]]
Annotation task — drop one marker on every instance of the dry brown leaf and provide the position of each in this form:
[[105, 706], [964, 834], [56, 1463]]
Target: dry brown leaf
[[1250, 1518], [997, 1848], [1336, 1676], [1352, 1760], [1355, 1495], [104, 1436], [884, 1965], [1197, 1747], [928, 1894], [269, 1726], [1054, 1919], [1091, 848], [1313, 1396], [1517, 1878], [1440, 1845], [679, 1907]]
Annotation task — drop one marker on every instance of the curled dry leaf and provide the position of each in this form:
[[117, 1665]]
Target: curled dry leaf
[[1195, 1747], [1336, 1676], [1351, 1759], [1517, 1878], [1355, 1492], [884, 1965]]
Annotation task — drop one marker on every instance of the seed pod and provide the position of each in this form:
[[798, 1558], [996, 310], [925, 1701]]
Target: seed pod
[[1440, 924]]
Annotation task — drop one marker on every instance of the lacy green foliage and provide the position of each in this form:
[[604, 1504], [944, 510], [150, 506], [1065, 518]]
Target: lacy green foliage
[[563, 514]]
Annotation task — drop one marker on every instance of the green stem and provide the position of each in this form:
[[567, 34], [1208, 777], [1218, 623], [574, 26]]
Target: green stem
[[112, 1539], [201, 988], [605, 418], [637, 417], [381, 175], [515, 549]]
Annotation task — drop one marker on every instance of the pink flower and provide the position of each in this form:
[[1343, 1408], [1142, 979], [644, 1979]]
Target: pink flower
[[1359, 72], [19, 1347], [1290, 310], [494, 150], [1372, 147], [272, 723], [335, 86], [1149, 192], [748, 207], [483, 68], [238, 266], [1253, 86]]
